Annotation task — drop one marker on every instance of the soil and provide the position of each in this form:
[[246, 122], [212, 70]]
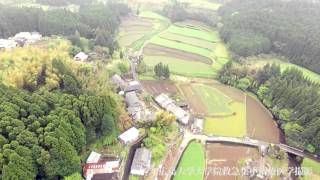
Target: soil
[[226, 156], [261, 125], [156, 50], [158, 87]]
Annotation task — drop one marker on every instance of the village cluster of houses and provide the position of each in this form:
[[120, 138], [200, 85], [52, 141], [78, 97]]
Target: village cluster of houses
[[19, 40], [141, 163], [98, 167], [135, 107]]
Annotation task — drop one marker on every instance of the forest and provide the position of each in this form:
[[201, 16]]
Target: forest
[[61, 21], [43, 133], [293, 100], [289, 28]]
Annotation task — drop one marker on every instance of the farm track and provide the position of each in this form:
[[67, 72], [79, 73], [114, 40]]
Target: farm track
[[157, 50]]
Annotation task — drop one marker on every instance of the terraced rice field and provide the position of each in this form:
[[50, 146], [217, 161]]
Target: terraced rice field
[[132, 29], [192, 163], [189, 48], [136, 30]]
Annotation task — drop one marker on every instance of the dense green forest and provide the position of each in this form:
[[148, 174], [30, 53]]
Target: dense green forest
[[43, 133], [290, 28], [64, 2], [293, 100], [177, 11], [61, 21]]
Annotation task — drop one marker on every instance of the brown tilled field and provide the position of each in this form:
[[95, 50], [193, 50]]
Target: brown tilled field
[[261, 125], [156, 50], [158, 87], [197, 107], [226, 156]]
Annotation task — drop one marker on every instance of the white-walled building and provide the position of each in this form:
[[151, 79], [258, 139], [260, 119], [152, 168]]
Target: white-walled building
[[129, 136]]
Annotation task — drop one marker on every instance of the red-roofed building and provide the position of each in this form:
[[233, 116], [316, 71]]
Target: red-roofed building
[[103, 169]]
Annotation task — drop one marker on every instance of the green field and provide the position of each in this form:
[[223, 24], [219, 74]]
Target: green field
[[313, 166], [182, 67], [188, 40], [260, 62], [195, 33], [192, 164], [217, 103], [203, 4], [152, 15], [181, 46], [190, 37], [231, 126]]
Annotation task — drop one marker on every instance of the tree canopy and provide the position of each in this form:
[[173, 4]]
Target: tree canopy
[[293, 99], [292, 28]]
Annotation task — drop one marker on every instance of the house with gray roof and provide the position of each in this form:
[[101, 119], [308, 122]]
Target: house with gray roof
[[168, 104], [141, 163], [133, 86], [119, 82], [134, 106]]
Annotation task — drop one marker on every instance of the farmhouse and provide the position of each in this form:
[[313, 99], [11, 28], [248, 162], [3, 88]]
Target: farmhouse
[[97, 168], [81, 56], [27, 37], [134, 107], [129, 136], [168, 104], [197, 126], [141, 162], [7, 44], [118, 81], [133, 86]]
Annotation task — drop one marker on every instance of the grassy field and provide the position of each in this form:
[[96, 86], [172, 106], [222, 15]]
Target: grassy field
[[203, 4], [188, 40], [195, 33], [257, 62], [190, 68], [181, 46], [192, 164], [152, 15], [217, 103], [231, 126], [313, 166]]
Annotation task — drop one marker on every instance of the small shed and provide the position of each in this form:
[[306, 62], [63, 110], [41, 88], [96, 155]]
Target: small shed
[[81, 56], [94, 157], [7, 44], [129, 136], [141, 162], [132, 100], [117, 80], [197, 126], [133, 86], [135, 113]]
